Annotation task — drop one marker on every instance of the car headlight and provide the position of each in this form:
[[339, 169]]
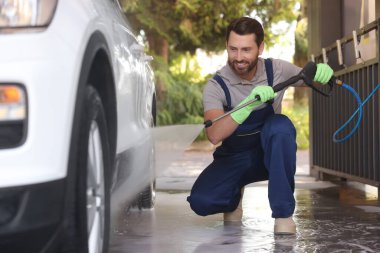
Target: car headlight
[[13, 115], [26, 13]]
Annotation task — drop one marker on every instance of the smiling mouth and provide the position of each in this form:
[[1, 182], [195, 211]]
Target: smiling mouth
[[240, 65]]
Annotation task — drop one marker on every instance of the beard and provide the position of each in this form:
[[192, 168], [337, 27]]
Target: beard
[[244, 70]]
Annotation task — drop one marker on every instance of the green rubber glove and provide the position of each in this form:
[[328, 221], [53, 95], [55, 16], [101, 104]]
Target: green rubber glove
[[265, 92], [323, 74]]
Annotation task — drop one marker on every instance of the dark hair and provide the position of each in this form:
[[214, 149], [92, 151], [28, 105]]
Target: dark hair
[[244, 26]]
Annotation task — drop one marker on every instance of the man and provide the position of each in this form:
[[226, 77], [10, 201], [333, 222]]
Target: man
[[258, 143]]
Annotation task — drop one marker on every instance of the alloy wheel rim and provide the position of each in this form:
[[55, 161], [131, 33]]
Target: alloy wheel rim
[[95, 191]]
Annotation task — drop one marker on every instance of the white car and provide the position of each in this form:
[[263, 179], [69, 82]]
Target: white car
[[77, 100]]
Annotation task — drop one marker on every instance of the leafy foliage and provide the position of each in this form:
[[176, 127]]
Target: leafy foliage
[[299, 115], [192, 24], [182, 103]]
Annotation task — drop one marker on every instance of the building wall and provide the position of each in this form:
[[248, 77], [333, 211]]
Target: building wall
[[330, 20], [325, 24]]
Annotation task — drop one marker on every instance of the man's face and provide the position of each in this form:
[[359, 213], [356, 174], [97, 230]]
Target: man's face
[[243, 54]]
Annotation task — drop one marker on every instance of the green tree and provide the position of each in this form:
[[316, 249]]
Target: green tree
[[185, 25]]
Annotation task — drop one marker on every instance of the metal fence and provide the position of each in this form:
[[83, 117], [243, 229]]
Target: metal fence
[[357, 158]]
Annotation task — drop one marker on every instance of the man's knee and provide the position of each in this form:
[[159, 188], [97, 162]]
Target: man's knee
[[278, 123], [199, 204]]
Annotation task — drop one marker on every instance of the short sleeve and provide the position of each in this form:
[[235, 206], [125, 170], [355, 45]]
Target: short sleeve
[[213, 96]]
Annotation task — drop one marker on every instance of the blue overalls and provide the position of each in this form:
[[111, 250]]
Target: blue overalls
[[262, 148]]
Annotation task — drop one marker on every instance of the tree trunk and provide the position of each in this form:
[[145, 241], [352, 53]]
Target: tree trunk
[[300, 96], [160, 48]]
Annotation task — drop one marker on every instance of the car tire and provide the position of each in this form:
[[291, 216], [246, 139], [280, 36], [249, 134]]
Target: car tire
[[88, 209], [146, 198]]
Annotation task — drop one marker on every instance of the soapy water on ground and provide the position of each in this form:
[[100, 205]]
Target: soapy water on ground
[[325, 223]]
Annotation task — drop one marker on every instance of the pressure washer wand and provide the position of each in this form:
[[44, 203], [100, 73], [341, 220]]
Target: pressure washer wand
[[209, 123], [306, 74], [276, 88]]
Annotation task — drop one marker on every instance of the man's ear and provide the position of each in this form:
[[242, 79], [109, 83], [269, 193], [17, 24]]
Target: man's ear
[[261, 48]]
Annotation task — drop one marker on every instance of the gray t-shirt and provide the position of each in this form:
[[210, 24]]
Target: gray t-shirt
[[214, 96]]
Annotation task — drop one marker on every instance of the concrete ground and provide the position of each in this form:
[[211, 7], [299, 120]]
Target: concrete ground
[[330, 217]]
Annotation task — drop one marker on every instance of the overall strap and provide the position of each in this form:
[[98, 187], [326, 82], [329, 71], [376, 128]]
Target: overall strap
[[269, 71], [222, 84]]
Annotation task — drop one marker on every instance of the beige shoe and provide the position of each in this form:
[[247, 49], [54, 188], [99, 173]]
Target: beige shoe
[[237, 214], [284, 226]]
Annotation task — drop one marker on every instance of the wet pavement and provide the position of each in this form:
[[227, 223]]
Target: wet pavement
[[330, 217]]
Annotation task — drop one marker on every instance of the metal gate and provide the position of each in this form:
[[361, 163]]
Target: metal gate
[[357, 158]]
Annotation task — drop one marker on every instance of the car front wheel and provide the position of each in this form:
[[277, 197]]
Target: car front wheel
[[89, 198]]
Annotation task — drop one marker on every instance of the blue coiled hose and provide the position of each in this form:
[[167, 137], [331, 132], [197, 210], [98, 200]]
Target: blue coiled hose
[[359, 109]]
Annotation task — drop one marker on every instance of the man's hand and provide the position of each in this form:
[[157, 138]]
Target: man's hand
[[323, 74], [264, 92]]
